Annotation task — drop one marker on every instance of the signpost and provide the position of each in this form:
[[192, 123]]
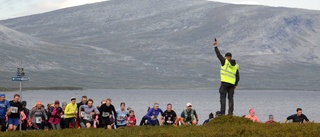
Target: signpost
[[20, 77]]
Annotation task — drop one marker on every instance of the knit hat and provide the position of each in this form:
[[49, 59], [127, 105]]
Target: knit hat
[[56, 102]]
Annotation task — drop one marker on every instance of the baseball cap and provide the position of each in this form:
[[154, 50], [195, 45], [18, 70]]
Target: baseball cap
[[228, 54], [189, 105], [73, 98], [2, 95]]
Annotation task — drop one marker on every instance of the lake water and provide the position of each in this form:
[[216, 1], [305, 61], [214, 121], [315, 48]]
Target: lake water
[[279, 103]]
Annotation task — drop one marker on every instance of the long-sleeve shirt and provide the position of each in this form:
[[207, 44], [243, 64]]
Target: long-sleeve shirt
[[155, 113], [4, 106], [232, 62], [55, 115], [69, 111], [298, 119], [38, 115], [131, 121], [106, 111]]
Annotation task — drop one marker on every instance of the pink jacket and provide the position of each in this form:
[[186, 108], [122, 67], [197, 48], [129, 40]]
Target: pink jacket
[[254, 118], [55, 117]]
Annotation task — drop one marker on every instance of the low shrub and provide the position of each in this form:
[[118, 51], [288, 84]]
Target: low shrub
[[220, 126]]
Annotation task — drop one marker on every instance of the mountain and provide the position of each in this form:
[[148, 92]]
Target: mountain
[[165, 44]]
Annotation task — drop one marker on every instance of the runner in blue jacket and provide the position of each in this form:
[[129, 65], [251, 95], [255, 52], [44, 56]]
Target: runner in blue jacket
[[152, 115]]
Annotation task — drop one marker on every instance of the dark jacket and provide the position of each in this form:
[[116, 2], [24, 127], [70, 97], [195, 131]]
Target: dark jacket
[[232, 62], [298, 119]]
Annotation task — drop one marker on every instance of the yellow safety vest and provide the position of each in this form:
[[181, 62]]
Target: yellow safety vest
[[228, 72]]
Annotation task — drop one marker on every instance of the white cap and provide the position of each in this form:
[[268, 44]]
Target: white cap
[[189, 104]]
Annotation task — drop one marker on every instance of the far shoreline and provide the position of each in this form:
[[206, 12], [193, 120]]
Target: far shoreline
[[10, 89], [13, 89]]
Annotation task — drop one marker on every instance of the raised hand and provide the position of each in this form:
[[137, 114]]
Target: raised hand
[[215, 43]]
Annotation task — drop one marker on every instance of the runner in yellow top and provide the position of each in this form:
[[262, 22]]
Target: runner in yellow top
[[70, 113]]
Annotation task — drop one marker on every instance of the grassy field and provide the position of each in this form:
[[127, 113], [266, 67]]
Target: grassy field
[[221, 126]]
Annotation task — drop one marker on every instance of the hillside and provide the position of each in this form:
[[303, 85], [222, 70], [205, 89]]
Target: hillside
[[167, 44]]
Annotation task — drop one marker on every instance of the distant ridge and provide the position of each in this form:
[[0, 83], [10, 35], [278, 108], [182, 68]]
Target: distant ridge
[[163, 44]]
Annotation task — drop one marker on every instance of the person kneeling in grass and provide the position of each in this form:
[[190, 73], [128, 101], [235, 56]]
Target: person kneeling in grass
[[169, 116], [188, 116]]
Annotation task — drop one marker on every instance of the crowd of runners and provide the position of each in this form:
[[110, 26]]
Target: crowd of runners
[[84, 115]]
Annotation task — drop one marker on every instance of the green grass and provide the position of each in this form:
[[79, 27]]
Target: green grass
[[219, 127]]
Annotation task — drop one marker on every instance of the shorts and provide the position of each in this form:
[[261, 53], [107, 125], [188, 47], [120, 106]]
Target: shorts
[[104, 122], [119, 126], [13, 121], [86, 122]]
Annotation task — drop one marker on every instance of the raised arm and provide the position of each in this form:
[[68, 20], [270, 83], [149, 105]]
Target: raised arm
[[220, 57]]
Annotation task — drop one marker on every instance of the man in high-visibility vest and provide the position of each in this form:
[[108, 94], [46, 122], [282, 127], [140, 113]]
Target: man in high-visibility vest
[[229, 75]]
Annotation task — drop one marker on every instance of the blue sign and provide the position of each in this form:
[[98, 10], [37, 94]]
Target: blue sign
[[20, 78]]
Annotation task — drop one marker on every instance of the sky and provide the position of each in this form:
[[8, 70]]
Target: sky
[[17, 8]]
